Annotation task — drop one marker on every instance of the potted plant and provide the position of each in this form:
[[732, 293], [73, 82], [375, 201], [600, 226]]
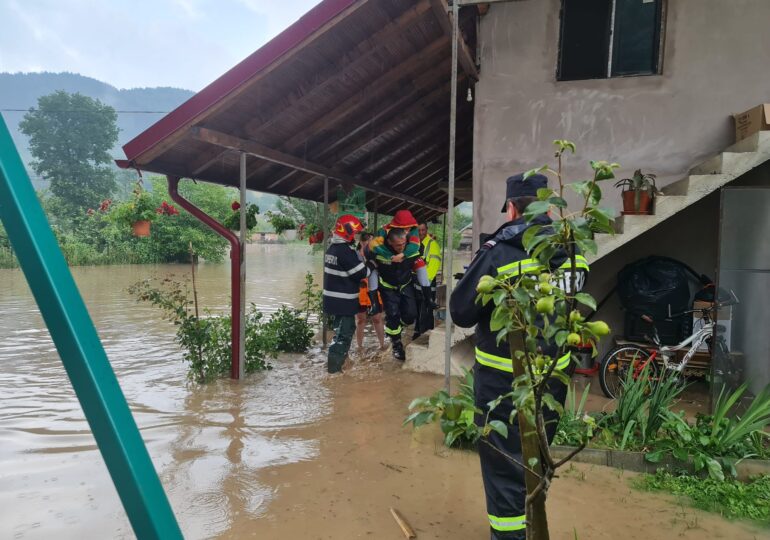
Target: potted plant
[[137, 212], [233, 221], [638, 193]]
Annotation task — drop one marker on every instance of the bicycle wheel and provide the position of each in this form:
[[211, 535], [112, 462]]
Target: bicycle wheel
[[615, 365]]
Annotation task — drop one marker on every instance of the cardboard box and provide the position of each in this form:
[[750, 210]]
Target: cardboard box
[[749, 122], [724, 318]]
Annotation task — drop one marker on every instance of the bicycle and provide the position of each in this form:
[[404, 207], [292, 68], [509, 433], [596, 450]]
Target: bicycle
[[614, 367]]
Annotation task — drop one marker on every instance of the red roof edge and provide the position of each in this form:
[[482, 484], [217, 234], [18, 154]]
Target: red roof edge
[[236, 76]]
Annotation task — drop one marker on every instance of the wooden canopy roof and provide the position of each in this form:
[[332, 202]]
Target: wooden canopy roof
[[357, 91]]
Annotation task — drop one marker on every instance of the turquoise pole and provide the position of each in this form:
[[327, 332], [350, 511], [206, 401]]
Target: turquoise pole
[[81, 351]]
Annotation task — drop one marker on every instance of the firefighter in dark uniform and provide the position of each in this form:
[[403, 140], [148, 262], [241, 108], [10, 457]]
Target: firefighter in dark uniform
[[504, 254], [343, 272], [393, 277]]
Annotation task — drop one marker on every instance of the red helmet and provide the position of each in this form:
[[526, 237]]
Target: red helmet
[[347, 226], [402, 220]]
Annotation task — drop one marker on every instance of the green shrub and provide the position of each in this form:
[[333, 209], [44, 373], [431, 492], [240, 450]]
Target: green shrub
[[205, 341], [571, 430], [717, 442], [641, 410], [288, 330], [728, 498], [454, 413]]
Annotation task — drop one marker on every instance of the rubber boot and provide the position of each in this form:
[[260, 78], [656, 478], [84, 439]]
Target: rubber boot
[[398, 349]]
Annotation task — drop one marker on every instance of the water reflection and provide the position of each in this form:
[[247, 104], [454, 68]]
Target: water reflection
[[210, 444]]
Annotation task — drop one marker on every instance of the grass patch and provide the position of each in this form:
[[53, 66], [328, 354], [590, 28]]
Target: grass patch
[[729, 498]]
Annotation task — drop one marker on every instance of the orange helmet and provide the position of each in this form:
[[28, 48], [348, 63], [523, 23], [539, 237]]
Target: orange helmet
[[347, 226]]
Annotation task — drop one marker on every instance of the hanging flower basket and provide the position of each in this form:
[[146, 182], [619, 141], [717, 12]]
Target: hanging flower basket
[[233, 220], [141, 228]]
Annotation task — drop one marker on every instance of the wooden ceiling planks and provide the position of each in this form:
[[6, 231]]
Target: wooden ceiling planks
[[369, 100]]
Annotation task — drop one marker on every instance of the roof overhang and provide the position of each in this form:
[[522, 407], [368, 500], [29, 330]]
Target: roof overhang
[[357, 91]]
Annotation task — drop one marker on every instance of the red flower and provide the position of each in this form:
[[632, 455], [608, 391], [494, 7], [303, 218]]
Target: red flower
[[90, 212], [167, 209], [105, 205], [235, 206]]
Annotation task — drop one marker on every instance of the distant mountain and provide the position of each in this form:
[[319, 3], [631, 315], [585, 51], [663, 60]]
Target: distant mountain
[[21, 91]]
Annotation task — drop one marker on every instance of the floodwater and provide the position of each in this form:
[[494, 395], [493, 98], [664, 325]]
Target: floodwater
[[288, 453]]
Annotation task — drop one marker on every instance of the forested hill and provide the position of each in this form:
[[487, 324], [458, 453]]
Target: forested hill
[[21, 91]]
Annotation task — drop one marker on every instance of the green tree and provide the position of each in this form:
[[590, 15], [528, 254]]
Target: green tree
[[70, 136], [461, 220]]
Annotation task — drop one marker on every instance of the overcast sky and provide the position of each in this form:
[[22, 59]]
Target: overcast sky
[[138, 43]]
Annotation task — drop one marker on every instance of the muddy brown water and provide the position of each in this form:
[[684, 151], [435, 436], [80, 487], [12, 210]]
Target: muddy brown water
[[289, 453]]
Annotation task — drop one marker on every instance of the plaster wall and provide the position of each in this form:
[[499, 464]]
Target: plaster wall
[[714, 64]]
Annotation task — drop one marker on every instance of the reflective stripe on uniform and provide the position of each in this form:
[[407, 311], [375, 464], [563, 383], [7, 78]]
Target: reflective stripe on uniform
[[530, 266], [515, 523], [393, 332], [505, 364], [344, 273], [580, 262], [389, 286], [524, 266], [346, 296]]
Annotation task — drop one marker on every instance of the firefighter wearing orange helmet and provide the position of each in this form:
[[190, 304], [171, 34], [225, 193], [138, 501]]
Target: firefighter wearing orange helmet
[[343, 271]]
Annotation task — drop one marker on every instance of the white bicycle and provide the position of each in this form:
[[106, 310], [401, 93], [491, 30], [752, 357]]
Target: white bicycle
[[616, 364]]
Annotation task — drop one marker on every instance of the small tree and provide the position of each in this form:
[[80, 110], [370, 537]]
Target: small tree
[[539, 313], [70, 137]]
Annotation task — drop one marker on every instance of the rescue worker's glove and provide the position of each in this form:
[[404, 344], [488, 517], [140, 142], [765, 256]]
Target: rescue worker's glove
[[374, 303], [427, 295]]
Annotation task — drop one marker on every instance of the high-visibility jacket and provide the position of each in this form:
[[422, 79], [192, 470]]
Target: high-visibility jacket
[[504, 254], [343, 271], [431, 253]]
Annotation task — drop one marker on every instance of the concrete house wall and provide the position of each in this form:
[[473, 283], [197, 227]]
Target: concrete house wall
[[714, 64]]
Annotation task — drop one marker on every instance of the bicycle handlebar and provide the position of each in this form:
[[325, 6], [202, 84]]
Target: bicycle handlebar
[[714, 307]]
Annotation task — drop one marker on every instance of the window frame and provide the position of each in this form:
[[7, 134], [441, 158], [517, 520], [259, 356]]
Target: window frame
[[659, 43]]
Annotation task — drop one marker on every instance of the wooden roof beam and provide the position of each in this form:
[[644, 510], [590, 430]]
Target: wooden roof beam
[[467, 60], [251, 147], [342, 150], [362, 53], [377, 91]]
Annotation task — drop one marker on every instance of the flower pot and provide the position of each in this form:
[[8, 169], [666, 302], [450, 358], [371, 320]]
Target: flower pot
[[141, 228], [629, 206]]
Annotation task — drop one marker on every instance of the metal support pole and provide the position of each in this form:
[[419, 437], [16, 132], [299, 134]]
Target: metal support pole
[[235, 267], [242, 299], [451, 202], [325, 244], [443, 247], [81, 351], [376, 213]]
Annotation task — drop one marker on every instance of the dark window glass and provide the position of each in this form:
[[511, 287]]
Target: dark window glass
[[636, 37], [587, 26], [584, 39]]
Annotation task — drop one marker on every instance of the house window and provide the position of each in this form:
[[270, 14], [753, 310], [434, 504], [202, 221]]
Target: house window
[[609, 38]]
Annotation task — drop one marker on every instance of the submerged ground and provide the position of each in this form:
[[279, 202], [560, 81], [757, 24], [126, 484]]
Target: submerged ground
[[289, 453]]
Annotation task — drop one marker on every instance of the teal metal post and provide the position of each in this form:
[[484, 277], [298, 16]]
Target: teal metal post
[[81, 351]]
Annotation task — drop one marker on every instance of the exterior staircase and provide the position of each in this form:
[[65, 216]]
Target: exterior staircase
[[426, 354], [702, 180]]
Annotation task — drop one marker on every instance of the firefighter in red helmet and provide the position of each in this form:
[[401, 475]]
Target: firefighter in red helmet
[[343, 271]]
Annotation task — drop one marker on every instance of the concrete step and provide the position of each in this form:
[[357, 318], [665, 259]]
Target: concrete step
[[726, 162], [752, 143], [712, 175], [679, 187]]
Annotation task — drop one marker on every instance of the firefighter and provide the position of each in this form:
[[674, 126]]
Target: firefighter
[[430, 251], [503, 253], [393, 277], [343, 271]]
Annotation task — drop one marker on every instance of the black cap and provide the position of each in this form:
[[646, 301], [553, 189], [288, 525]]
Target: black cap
[[518, 186]]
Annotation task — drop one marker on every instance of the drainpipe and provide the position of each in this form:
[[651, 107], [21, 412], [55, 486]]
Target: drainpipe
[[235, 268]]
